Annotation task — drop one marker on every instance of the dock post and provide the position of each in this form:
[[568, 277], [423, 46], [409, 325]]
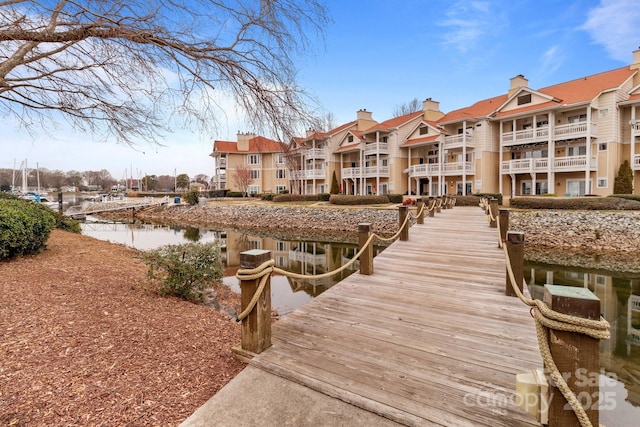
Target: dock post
[[432, 206], [366, 259], [256, 327], [576, 355], [493, 210], [402, 215], [438, 204], [515, 249], [419, 205], [504, 225]]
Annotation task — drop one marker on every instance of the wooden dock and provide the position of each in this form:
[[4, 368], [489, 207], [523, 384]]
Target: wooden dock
[[428, 339]]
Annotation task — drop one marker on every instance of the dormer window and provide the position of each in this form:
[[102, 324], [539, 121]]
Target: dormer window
[[424, 130], [524, 99], [350, 138]]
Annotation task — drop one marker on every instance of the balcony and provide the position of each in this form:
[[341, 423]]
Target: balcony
[[314, 153], [309, 174], [221, 162], [636, 162], [376, 147], [457, 141], [308, 258], [560, 132], [433, 169], [219, 178], [367, 172], [561, 164]]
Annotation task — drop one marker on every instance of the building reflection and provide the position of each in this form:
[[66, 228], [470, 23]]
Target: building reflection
[[619, 295]]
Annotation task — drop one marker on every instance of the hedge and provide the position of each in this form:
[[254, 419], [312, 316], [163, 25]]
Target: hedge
[[341, 199], [575, 203], [24, 227], [296, 198]]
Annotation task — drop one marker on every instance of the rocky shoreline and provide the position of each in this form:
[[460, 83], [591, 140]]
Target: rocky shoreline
[[607, 240]]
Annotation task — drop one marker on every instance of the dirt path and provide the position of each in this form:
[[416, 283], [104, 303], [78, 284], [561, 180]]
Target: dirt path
[[84, 342]]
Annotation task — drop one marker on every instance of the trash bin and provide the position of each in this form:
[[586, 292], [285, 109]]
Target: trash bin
[[176, 200]]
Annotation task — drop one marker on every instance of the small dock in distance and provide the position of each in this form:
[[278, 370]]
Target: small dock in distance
[[428, 339]]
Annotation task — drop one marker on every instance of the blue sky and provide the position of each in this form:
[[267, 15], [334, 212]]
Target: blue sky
[[378, 54]]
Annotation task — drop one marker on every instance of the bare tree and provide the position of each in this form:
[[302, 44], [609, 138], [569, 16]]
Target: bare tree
[[242, 178], [412, 106], [128, 68]]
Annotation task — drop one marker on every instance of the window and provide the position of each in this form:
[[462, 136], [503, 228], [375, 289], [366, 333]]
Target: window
[[255, 173], [602, 182], [385, 139], [577, 151], [424, 130], [350, 138], [281, 261], [281, 246], [255, 244], [281, 189], [280, 159], [603, 113], [384, 189], [602, 146], [322, 188], [281, 174], [524, 99], [385, 162], [253, 189], [253, 159], [578, 118]]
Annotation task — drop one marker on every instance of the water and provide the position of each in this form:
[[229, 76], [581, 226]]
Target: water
[[619, 293]]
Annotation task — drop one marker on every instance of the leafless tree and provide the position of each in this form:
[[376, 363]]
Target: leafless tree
[[242, 178], [407, 108], [131, 68]]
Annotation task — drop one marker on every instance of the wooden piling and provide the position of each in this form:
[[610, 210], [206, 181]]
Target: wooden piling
[[366, 259], [432, 210], [438, 204], [256, 327], [402, 215], [420, 211], [576, 355], [493, 210], [504, 224], [515, 249]]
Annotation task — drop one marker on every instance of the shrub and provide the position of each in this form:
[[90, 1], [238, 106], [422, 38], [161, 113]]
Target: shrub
[[324, 197], [185, 270], [267, 196], [341, 199], [335, 188], [191, 197], [395, 198], [575, 203], [409, 202], [218, 193], [295, 198], [465, 200], [67, 224], [235, 194], [623, 183], [24, 227]]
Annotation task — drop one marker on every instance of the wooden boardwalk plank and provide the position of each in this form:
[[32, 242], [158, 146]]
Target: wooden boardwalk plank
[[428, 339]]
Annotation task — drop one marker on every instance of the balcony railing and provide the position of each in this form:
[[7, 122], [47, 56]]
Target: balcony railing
[[560, 132], [314, 153], [560, 164], [306, 257], [450, 168], [636, 127], [376, 147], [636, 162], [367, 172], [309, 174], [221, 162], [456, 141], [219, 178]]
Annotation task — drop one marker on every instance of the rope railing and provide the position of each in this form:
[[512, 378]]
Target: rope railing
[[547, 319]]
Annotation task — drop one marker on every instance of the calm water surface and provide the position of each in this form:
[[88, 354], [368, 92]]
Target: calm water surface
[[619, 293]]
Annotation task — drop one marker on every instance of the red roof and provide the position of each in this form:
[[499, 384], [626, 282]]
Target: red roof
[[423, 139], [393, 123], [257, 144], [480, 109]]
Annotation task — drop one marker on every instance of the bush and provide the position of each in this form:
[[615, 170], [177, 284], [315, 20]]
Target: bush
[[466, 200], [295, 198], [623, 183], [395, 198], [235, 194], [67, 224], [191, 197], [185, 270], [24, 227], [324, 197], [218, 193], [268, 197], [575, 203], [341, 199], [409, 202]]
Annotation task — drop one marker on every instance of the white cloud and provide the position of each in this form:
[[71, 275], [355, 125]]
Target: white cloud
[[551, 60], [467, 23], [614, 25]]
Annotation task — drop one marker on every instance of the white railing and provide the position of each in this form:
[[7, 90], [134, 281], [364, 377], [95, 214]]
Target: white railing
[[526, 135], [376, 147], [574, 130], [525, 165], [451, 168], [636, 162], [221, 162], [636, 126], [314, 153], [309, 174], [456, 141], [368, 172], [219, 178], [350, 172], [572, 163], [316, 259]]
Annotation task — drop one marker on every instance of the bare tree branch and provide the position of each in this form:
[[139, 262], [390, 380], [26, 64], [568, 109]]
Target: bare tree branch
[[127, 68]]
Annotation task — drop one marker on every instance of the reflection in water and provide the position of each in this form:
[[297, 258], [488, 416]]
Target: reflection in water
[[619, 295]]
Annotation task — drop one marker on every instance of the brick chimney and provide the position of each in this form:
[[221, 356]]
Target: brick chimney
[[517, 82]]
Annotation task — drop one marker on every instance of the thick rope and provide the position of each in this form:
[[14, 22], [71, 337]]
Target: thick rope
[[545, 319], [262, 272]]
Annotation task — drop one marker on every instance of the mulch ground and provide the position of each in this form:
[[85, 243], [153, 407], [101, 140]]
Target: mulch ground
[[85, 342]]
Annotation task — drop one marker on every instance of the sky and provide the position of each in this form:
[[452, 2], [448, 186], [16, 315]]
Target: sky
[[377, 55]]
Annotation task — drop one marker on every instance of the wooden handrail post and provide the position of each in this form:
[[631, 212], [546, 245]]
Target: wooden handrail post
[[504, 225], [515, 249], [432, 210], [438, 203], [576, 355], [493, 209], [366, 259], [419, 205], [402, 215], [256, 327]]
